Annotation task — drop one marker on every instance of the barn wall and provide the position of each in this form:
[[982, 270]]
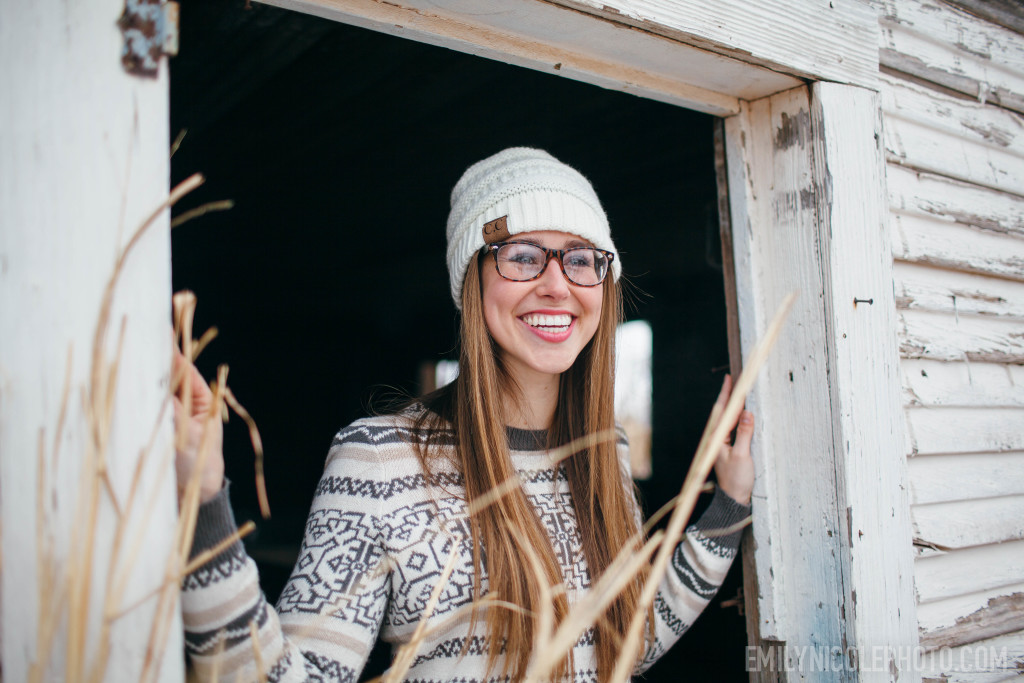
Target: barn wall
[[952, 88]]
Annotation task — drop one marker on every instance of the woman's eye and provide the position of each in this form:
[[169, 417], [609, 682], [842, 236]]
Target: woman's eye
[[580, 259], [522, 256]]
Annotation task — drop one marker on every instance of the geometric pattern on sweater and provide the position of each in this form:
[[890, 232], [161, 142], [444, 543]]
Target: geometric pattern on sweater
[[689, 577], [211, 573], [206, 642], [378, 535], [336, 555], [669, 618]]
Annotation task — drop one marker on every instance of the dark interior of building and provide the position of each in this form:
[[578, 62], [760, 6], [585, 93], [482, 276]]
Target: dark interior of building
[[326, 280]]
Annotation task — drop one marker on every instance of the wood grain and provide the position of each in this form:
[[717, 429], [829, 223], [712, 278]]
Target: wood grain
[[956, 573], [945, 244], [968, 385], [567, 42], [832, 41], [945, 199], [954, 49], [84, 161], [954, 337], [963, 524], [936, 431], [942, 478], [953, 137]]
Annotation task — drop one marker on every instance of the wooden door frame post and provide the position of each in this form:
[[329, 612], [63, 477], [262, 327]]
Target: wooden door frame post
[[829, 567], [84, 160]]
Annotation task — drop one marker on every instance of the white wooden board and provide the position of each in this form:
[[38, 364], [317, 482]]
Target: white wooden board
[[84, 160], [958, 247], [568, 43], [970, 385], [924, 288], [864, 367], [985, 661], [940, 478], [962, 524], [961, 572], [910, 144], [965, 430], [775, 251], [960, 337], [968, 618], [953, 201], [928, 131], [833, 373], [831, 41], [967, 118], [940, 43]]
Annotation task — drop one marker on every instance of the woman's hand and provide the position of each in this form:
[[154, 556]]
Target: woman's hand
[[203, 417], [734, 469]]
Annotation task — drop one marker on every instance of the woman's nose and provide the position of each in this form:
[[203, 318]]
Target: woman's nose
[[552, 282]]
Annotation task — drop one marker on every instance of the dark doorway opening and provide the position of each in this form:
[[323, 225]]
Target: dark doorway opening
[[327, 281]]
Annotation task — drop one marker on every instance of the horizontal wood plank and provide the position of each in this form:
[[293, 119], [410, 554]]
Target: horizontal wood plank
[[971, 618], [832, 41], [939, 243], [935, 431], [925, 288], [959, 384], [991, 660], [949, 337], [954, 49], [962, 117], [565, 42], [963, 524], [945, 478], [956, 573], [956, 138], [933, 196]]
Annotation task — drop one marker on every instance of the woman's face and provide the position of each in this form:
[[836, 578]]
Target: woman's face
[[540, 325]]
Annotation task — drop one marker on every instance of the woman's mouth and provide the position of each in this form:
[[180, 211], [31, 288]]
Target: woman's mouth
[[553, 324]]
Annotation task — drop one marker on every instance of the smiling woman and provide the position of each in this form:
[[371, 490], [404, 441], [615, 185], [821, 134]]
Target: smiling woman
[[407, 529]]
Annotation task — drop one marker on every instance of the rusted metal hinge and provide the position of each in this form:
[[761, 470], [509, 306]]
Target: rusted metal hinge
[[150, 29]]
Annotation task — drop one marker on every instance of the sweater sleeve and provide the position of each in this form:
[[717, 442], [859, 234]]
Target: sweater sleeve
[[699, 565], [329, 613]]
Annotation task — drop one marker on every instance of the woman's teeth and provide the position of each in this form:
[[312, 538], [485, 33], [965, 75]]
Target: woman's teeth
[[551, 323]]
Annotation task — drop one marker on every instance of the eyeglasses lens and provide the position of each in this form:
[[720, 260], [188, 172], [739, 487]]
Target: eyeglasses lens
[[583, 266]]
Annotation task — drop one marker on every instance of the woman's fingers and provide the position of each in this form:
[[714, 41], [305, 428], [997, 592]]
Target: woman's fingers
[[734, 469], [202, 397], [198, 429], [744, 433]]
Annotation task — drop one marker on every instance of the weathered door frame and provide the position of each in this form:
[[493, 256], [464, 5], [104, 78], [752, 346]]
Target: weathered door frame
[[807, 206]]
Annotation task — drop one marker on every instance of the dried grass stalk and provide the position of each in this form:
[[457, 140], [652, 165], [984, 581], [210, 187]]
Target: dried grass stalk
[[222, 205], [257, 446], [257, 652], [66, 592]]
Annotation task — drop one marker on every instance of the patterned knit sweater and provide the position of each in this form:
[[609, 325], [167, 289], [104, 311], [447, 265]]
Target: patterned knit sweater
[[378, 536]]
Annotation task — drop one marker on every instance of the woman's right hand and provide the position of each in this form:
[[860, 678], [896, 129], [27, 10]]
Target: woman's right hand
[[202, 417]]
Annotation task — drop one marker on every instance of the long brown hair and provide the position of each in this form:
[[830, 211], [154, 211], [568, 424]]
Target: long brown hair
[[473, 407]]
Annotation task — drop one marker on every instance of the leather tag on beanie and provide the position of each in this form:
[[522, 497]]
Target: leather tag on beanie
[[496, 230]]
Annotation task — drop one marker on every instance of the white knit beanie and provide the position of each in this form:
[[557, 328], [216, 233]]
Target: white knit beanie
[[530, 190]]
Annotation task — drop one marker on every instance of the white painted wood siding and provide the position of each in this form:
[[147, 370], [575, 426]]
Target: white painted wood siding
[[952, 91], [83, 161]]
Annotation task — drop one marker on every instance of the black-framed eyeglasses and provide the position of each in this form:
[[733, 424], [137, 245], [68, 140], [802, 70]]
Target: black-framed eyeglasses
[[523, 261]]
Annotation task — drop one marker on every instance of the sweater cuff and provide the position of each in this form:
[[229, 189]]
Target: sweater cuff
[[215, 522], [722, 513]]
